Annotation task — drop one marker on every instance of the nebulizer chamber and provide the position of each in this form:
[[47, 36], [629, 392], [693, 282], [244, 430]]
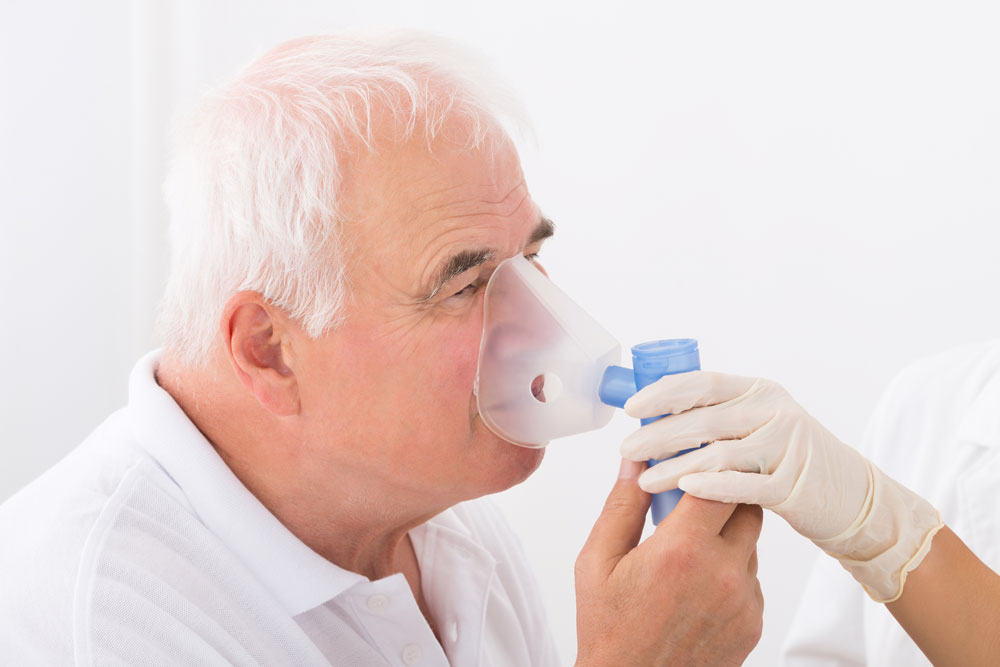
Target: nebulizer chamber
[[548, 370], [650, 362]]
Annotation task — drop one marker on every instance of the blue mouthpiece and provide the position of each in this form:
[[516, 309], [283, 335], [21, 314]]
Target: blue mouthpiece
[[650, 362]]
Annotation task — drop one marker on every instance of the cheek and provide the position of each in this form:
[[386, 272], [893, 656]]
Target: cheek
[[425, 372], [457, 352]]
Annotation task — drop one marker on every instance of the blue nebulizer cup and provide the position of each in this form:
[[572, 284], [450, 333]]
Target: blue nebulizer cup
[[650, 362], [548, 370]]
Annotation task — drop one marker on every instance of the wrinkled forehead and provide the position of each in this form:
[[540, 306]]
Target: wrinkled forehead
[[412, 202]]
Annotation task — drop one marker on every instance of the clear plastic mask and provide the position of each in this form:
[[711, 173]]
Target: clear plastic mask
[[541, 359]]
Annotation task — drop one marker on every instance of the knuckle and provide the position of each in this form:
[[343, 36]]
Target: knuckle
[[751, 618], [617, 505], [751, 516], [773, 387], [755, 624], [714, 382]]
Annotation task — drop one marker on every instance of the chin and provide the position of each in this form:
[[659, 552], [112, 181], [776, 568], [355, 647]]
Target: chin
[[510, 464]]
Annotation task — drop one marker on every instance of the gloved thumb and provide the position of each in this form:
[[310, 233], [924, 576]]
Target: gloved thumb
[[619, 526]]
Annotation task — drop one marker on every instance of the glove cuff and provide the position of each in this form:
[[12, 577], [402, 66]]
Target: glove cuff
[[890, 537]]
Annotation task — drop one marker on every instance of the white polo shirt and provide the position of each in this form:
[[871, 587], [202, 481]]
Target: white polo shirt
[[142, 548], [936, 430]]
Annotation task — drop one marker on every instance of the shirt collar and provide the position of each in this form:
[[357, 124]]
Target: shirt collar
[[456, 573], [297, 576], [981, 423]]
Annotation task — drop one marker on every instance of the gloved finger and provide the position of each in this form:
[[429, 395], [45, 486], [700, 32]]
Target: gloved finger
[[730, 486], [673, 394], [760, 452], [667, 436], [665, 474]]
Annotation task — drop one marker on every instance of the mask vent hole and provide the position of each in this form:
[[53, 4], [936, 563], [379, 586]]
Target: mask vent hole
[[546, 387]]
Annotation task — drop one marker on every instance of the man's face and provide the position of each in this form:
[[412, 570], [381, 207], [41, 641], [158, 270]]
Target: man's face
[[389, 394]]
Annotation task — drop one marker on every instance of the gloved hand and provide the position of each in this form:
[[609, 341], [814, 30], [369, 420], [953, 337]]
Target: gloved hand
[[765, 449]]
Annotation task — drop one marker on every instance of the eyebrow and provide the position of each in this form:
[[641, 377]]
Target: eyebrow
[[465, 260], [545, 229]]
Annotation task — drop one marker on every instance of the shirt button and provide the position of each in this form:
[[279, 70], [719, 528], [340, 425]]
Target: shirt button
[[453, 632], [378, 603], [411, 654]]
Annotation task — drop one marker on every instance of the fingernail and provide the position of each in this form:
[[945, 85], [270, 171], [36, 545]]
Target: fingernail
[[629, 469]]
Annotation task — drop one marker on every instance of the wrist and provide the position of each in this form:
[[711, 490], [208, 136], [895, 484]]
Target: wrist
[[857, 540], [892, 535]]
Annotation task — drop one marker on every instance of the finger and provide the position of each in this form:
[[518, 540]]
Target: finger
[[619, 526], [696, 515], [759, 452], [743, 529], [723, 455], [667, 436], [730, 486], [673, 394]]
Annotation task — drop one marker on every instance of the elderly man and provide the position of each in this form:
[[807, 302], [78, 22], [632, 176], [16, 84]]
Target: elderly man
[[293, 479]]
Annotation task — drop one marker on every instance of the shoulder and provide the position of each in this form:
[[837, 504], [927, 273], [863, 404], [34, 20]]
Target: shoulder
[[46, 527], [53, 516], [915, 424], [964, 368], [153, 579], [103, 556]]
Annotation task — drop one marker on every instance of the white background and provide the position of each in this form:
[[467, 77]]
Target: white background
[[810, 189]]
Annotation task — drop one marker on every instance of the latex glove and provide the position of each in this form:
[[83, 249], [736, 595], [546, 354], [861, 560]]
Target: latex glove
[[765, 449]]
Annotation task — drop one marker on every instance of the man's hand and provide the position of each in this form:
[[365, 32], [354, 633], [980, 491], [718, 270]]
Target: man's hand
[[765, 449], [688, 595]]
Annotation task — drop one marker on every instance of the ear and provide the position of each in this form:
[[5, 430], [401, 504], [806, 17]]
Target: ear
[[258, 342]]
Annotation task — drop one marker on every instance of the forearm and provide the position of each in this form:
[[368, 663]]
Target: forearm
[[950, 605]]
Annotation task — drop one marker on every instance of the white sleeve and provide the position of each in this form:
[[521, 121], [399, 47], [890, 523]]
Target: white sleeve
[[828, 630], [912, 436]]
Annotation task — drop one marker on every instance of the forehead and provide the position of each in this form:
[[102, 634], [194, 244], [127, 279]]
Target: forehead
[[413, 205]]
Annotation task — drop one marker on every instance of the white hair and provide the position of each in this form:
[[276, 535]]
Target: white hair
[[255, 180]]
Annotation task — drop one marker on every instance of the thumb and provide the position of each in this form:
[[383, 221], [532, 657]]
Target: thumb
[[619, 527], [730, 486]]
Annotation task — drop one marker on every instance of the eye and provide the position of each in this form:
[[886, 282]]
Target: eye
[[533, 258], [468, 290], [472, 288]]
